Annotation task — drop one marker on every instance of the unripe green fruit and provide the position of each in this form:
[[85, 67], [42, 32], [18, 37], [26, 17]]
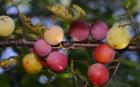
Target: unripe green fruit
[[31, 63], [118, 37], [7, 26], [54, 35]]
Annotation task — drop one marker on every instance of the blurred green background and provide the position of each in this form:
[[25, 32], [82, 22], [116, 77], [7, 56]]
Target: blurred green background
[[110, 11]]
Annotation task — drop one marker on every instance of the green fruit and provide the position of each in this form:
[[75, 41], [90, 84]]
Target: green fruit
[[118, 37], [7, 26], [31, 63]]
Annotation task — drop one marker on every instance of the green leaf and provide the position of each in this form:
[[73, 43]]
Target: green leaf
[[78, 54], [60, 11], [31, 80], [129, 63], [37, 29], [82, 68], [128, 3], [61, 83], [78, 12], [4, 81]]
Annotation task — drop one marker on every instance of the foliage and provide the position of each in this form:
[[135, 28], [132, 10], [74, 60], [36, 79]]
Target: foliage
[[79, 60]]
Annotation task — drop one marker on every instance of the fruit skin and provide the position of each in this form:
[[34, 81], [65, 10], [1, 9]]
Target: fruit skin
[[98, 74], [104, 54], [79, 30], [42, 48], [7, 26], [118, 37], [99, 30], [31, 63], [54, 35], [57, 61]]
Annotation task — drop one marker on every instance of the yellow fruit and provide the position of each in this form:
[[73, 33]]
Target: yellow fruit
[[7, 26], [118, 37], [54, 35], [31, 63]]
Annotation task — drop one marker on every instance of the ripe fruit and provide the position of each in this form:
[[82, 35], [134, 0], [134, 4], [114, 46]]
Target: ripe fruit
[[57, 61], [7, 26], [98, 74], [118, 37], [104, 54], [54, 35], [42, 48], [31, 63], [79, 30], [99, 30]]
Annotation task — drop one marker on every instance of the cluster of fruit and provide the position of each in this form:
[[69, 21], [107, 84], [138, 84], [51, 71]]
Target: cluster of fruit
[[116, 37]]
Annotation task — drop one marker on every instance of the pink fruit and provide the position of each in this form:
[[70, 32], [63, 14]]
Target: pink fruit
[[42, 48], [79, 30], [99, 30], [57, 61], [98, 74], [104, 54]]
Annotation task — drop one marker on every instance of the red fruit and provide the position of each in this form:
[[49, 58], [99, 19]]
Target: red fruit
[[98, 74], [104, 54], [57, 61], [79, 30], [42, 48], [99, 30]]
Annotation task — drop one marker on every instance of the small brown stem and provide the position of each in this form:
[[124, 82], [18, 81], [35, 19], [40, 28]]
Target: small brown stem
[[22, 20], [114, 73], [132, 23], [112, 67]]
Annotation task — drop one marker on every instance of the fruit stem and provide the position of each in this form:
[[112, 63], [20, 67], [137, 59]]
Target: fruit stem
[[114, 73]]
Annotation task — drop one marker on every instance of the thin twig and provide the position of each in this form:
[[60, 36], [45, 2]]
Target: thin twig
[[114, 73], [22, 20], [73, 73], [132, 23]]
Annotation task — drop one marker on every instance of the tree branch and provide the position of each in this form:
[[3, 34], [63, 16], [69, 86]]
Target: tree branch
[[65, 44]]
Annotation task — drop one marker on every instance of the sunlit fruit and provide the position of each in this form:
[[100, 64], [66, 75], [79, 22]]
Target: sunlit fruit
[[42, 48], [7, 26], [103, 54], [57, 61], [99, 30], [54, 35], [79, 30], [98, 74], [118, 37], [31, 63]]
